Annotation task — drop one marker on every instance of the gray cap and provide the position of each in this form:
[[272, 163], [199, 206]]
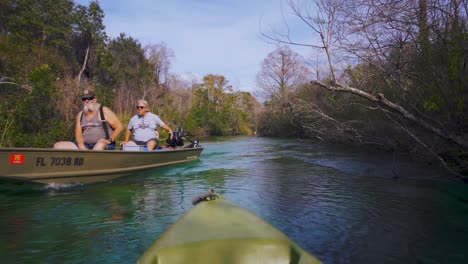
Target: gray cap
[[88, 92]]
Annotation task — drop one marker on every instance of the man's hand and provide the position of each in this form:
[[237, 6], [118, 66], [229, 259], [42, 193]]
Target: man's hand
[[82, 147], [104, 140]]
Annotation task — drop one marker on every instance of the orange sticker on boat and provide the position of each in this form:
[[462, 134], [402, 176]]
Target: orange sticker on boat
[[17, 159]]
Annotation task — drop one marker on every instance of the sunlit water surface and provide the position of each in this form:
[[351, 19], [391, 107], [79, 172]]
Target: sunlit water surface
[[342, 205]]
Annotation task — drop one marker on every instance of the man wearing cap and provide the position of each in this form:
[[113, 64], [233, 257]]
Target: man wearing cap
[[144, 127], [94, 129]]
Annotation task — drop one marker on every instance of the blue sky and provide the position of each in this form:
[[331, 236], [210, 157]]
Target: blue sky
[[207, 36]]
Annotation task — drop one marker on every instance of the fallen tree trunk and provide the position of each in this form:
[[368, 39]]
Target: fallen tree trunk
[[381, 100]]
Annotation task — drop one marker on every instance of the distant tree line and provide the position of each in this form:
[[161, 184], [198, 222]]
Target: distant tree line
[[51, 50]]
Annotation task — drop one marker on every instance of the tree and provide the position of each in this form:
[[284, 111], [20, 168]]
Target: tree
[[159, 56], [89, 37], [159, 59], [176, 103], [127, 72], [35, 52], [413, 74], [248, 109], [34, 33], [213, 106], [282, 71]]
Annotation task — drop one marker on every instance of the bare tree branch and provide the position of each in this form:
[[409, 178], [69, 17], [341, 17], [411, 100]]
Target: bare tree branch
[[78, 78], [380, 99], [433, 153], [26, 87]]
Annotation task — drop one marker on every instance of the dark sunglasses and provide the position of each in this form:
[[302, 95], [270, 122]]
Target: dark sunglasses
[[84, 99], [140, 107]]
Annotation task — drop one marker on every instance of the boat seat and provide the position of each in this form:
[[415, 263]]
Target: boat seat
[[135, 148]]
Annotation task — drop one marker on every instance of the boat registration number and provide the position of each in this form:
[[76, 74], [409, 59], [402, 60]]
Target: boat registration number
[[59, 161]]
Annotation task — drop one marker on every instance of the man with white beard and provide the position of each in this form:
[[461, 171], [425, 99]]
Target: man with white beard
[[90, 131]]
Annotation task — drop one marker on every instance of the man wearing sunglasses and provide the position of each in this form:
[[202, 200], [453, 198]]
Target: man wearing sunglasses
[[144, 127], [97, 127]]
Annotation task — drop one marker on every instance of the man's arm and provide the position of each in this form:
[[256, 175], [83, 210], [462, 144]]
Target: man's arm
[[114, 122], [128, 133], [168, 129], [79, 132]]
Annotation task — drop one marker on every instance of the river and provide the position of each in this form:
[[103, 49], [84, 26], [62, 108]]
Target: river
[[342, 205]]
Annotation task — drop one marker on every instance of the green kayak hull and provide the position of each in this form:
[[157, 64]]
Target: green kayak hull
[[219, 231]]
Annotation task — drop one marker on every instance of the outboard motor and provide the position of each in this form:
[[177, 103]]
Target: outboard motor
[[177, 140]]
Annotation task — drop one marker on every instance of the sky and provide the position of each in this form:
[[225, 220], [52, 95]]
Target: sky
[[207, 36]]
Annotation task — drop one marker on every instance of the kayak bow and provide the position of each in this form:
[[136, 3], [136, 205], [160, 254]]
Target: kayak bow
[[218, 231]]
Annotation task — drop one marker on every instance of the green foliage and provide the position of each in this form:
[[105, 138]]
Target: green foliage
[[37, 108], [32, 122], [125, 59], [277, 124], [428, 105], [45, 138], [215, 109], [45, 20], [89, 36], [35, 33], [125, 72], [89, 23], [6, 122]]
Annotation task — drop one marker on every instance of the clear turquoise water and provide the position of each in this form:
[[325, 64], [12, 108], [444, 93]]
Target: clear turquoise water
[[342, 205]]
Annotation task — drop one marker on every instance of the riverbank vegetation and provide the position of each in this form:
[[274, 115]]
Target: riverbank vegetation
[[391, 75], [396, 77]]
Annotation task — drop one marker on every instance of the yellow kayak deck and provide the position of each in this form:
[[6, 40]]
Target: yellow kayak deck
[[219, 231]]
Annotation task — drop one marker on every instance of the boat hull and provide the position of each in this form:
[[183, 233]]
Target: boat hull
[[218, 231], [77, 166]]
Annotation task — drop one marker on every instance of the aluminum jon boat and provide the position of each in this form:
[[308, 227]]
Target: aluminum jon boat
[[218, 231], [49, 166]]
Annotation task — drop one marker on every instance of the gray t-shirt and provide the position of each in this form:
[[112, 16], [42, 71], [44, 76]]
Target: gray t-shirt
[[145, 127], [93, 130]]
